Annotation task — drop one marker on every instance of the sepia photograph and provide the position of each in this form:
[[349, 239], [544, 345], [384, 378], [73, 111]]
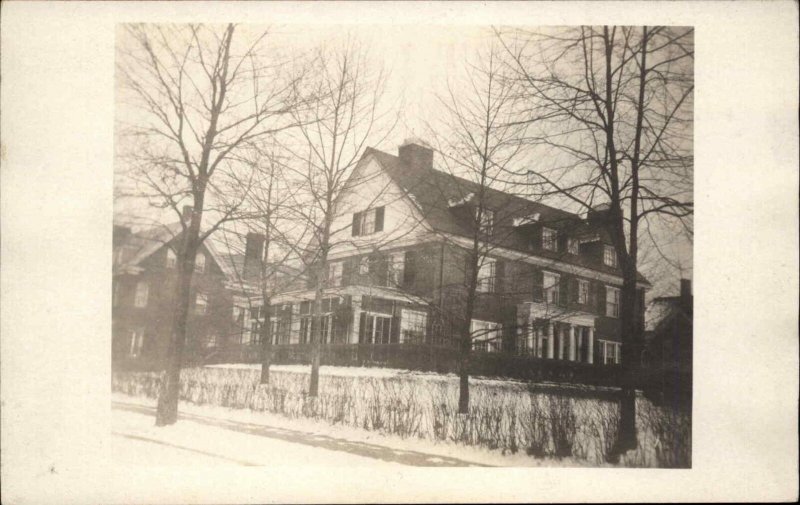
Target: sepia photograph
[[399, 252], [479, 257]]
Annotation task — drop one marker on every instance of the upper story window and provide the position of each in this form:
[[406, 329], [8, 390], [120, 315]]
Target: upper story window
[[172, 260], [573, 246], [486, 276], [396, 267], [612, 302], [142, 290], [609, 256], [583, 291], [549, 239], [363, 265], [201, 303], [200, 263], [487, 220], [368, 221], [551, 285], [335, 273]]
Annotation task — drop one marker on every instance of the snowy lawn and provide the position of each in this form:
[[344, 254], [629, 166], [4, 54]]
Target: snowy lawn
[[521, 424]]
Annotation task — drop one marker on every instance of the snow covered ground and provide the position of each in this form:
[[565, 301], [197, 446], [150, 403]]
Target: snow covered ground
[[208, 435]]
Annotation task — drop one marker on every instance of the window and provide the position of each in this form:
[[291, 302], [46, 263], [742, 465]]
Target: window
[[573, 246], [612, 302], [368, 221], [486, 335], [171, 258], [305, 329], [413, 324], [610, 256], [377, 329], [200, 263], [583, 292], [211, 341], [486, 276], [549, 239], [610, 352], [551, 287], [200, 303], [335, 273], [487, 220], [137, 342], [142, 290], [363, 265], [396, 267], [237, 313]]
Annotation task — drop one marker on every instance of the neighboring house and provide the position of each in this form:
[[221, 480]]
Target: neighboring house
[[549, 287], [669, 338], [144, 277]]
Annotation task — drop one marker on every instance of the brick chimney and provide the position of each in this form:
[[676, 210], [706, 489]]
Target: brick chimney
[[253, 255], [416, 153], [599, 215]]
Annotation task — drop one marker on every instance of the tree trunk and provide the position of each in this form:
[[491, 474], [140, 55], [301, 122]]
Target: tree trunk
[[167, 409], [316, 329], [463, 383], [266, 342], [629, 323]]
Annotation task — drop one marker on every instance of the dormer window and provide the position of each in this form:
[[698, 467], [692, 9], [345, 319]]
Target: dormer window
[[610, 256], [368, 221], [549, 239], [573, 246]]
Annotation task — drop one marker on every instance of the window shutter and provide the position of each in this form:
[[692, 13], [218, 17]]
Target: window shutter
[[347, 271], [499, 276], [601, 299], [379, 219], [361, 327], [409, 268], [395, 335], [356, 224], [538, 290], [563, 298]]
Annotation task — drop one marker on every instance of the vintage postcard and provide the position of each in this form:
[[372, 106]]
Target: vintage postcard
[[376, 255]]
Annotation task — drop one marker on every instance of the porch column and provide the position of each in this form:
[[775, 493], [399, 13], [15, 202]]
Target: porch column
[[571, 343], [355, 306], [560, 342], [531, 339], [590, 346], [551, 341]]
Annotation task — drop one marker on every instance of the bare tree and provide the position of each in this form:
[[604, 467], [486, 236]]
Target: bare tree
[[613, 110], [267, 227], [344, 113], [199, 96], [478, 143]]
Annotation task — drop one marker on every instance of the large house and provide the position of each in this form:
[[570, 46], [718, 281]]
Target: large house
[[144, 279], [548, 282]]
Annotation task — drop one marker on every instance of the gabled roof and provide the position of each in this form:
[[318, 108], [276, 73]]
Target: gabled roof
[[432, 190], [437, 195], [147, 242]]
